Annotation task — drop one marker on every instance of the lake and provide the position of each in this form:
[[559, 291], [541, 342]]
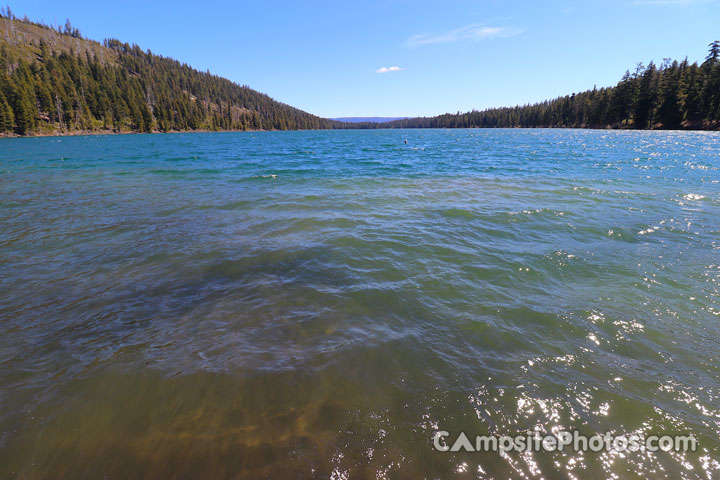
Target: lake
[[319, 304]]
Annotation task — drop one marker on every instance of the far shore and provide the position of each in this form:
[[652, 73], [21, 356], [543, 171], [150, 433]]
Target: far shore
[[80, 133], [75, 133]]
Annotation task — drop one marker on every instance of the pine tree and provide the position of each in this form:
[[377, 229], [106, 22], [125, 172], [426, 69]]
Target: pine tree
[[7, 118], [669, 113], [25, 112], [714, 52]]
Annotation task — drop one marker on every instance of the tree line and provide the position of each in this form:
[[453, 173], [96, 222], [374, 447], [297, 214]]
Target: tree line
[[44, 88], [674, 95]]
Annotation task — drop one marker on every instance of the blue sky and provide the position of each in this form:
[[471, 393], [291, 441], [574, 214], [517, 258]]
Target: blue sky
[[399, 57]]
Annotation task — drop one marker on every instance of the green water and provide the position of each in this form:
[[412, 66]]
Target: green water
[[318, 304]]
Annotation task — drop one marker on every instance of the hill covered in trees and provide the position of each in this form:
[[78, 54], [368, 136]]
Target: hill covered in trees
[[54, 81], [675, 95]]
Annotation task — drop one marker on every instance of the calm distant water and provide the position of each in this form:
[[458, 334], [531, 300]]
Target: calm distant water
[[317, 304]]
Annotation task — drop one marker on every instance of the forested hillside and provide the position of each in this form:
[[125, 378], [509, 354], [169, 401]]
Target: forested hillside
[[54, 81], [673, 96]]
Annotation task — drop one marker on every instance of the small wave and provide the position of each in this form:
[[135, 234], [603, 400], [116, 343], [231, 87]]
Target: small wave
[[271, 175]]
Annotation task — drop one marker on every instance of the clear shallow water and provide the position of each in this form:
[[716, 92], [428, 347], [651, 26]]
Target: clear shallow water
[[317, 304]]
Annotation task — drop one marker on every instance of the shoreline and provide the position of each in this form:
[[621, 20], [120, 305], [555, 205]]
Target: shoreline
[[80, 133]]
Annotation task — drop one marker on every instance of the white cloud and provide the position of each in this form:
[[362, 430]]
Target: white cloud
[[468, 32], [388, 69]]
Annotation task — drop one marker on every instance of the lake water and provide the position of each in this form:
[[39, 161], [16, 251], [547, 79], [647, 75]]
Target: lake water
[[318, 304]]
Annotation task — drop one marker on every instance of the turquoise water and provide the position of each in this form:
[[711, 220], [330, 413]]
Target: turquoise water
[[318, 304]]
